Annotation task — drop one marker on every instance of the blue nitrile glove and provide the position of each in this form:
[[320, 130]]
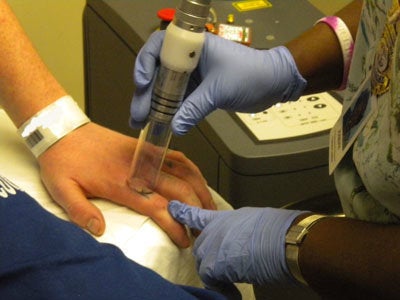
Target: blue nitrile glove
[[229, 76], [243, 245]]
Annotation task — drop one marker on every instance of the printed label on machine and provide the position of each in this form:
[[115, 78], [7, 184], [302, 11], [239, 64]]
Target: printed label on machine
[[251, 5], [350, 124], [309, 115]]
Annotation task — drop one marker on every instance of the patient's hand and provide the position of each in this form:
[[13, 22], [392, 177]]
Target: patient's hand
[[93, 161]]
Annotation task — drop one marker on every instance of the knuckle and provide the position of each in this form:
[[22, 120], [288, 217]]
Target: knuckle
[[185, 190]]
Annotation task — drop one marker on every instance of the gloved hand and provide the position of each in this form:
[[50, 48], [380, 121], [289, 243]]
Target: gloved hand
[[243, 245], [229, 76]]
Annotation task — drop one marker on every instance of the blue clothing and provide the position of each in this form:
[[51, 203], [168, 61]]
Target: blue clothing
[[44, 257]]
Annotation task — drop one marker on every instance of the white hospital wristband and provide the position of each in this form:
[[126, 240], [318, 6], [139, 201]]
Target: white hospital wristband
[[51, 124]]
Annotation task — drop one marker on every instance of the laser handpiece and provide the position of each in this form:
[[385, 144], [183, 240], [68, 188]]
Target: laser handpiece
[[180, 53]]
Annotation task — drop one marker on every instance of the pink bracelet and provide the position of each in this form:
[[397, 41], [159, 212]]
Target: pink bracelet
[[346, 43]]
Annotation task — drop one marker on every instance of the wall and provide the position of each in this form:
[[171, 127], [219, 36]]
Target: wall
[[55, 28]]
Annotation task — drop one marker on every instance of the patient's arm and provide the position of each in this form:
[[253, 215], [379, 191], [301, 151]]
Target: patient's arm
[[91, 161]]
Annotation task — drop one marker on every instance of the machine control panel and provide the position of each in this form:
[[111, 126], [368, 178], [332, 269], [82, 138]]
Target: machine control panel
[[310, 114]]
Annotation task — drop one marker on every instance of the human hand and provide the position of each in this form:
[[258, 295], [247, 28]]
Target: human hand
[[93, 161], [229, 76], [244, 245]]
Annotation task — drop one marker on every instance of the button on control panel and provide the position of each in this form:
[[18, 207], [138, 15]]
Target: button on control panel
[[310, 114]]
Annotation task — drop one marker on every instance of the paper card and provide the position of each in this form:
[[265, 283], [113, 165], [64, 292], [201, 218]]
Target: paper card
[[352, 121]]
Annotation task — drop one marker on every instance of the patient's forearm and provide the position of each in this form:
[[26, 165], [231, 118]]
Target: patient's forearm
[[26, 85]]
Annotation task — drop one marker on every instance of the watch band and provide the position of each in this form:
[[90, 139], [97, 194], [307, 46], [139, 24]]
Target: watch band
[[294, 239], [51, 124]]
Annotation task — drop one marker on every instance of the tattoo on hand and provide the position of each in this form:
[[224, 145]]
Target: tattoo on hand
[[144, 192]]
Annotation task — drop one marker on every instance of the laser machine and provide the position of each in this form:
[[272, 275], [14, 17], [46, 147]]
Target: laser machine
[[274, 158]]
